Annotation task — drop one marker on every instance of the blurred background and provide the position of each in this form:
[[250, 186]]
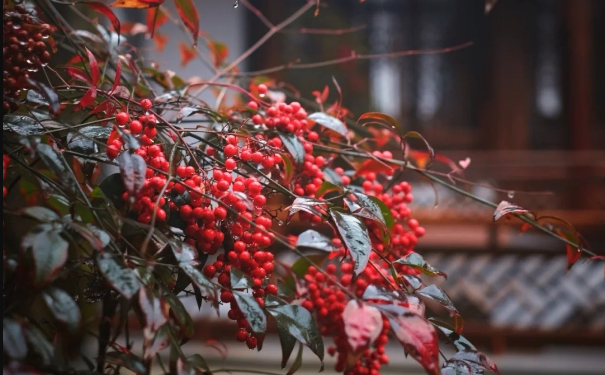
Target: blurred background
[[525, 102]]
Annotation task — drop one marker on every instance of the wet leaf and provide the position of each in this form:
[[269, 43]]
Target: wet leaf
[[106, 11], [22, 125], [252, 311], [239, 280], [47, 249], [315, 240], [123, 280], [298, 323], [288, 172], [477, 360], [56, 163], [188, 13], [180, 314], [363, 324], [329, 122], [331, 175], [373, 165], [416, 334], [416, 261], [89, 97], [301, 266], [198, 279], [63, 308], [381, 119], [325, 188], [127, 360], [94, 67], [373, 293], [355, 236], [437, 294], [39, 344], [40, 213], [51, 96], [460, 342], [132, 169], [306, 204], [377, 208], [505, 208], [13, 339], [155, 311], [296, 365], [78, 74], [160, 342], [294, 147]]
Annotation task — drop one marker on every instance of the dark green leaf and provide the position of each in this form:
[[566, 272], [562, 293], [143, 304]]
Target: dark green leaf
[[437, 294], [123, 280], [40, 213], [456, 367], [239, 280], [329, 122], [416, 261], [112, 188], [132, 169], [301, 266], [477, 360], [180, 313], [198, 362], [373, 293], [130, 141], [325, 188], [198, 279], [412, 281], [294, 146], [252, 311], [298, 322], [129, 361], [13, 340], [355, 236], [63, 307], [81, 144], [460, 342], [184, 253], [40, 344], [297, 362], [47, 249], [331, 175], [22, 125], [287, 342], [375, 210], [56, 163], [51, 96], [90, 236], [315, 240], [306, 204]]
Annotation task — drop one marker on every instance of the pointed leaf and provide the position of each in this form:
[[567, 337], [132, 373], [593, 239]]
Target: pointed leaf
[[431, 151], [117, 77], [123, 280], [315, 240], [505, 208], [298, 322], [13, 340], [384, 120], [355, 236], [94, 67], [155, 311], [378, 209], [287, 342], [239, 280], [301, 266], [373, 165], [477, 360], [89, 97], [39, 344], [198, 279], [329, 122], [40, 213], [132, 169], [76, 73], [289, 169], [294, 146], [48, 251], [363, 324], [56, 163], [460, 342], [296, 365], [63, 307], [106, 11], [325, 188], [51, 96], [416, 261], [306, 204], [252, 311], [437, 294], [188, 13]]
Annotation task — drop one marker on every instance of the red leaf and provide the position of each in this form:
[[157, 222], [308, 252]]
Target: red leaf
[[139, 4], [187, 54], [155, 18], [191, 19], [363, 324], [219, 52], [76, 73], [94, 67], [160, 41], [505, 208], [417, 335], [373, 165], [103, 107], [378, 118], [89, 97], [116, 80], [106, 11], [573, 254]]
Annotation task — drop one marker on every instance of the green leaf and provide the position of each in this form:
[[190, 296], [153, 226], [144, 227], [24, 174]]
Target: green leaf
[[315, 240], [56, 163], [198, 279], [13, 341], [355, 236], [40, 213], [301, 266], [329, 122], [47, 249], [297, 362], [180, 314], [252, 311], [123, 280], [325, 188], [437, 294], [129, 361], [306, 204], [298, 322], [294, 146], [459, 341], [288, 169], [63, 307], [40, 344], [59, 203], [331, 175], [378, 210], [198, 362], [287, 342], [416, 261], [239, 280], [21, 125], [51, 96]]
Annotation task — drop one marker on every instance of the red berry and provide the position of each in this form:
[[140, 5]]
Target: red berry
[[136, 127], [146, 104], [257, 119], [262, 89], [209, 271], [230, 164], [260, 200], [251, 342], [220, 213], [242, 335], [122, 118], [230, 150], [271, 289]]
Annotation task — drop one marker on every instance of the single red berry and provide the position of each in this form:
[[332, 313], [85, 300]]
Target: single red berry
[[122, 118], [242, 335], [136, 127], [257, 119], [251, 342], [271, 289], [146, 104], [253, 105], [262, 89], [230, 164], [230, 150], [209, 271], [260, 200]]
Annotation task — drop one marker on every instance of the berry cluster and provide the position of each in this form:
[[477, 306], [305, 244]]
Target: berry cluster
[[5, 163], [24, 51]]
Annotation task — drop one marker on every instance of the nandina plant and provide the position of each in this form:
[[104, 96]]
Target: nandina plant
[[123, 192]]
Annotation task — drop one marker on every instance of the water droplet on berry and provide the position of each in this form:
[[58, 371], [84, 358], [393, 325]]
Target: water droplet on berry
[[262, 95]]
